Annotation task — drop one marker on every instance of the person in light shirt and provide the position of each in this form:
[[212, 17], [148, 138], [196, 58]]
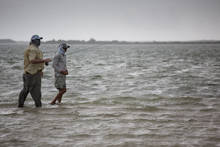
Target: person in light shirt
[[60, 69]]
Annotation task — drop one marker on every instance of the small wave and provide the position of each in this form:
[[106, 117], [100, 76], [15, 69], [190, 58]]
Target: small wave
[[208, 110], [8, 103], [186, 99], [111, 115], [126, 135], [96, 77], [11, 61], [144, 109], [17, 67], [11, 111], [100, 64], [81, 136], [126, 98]]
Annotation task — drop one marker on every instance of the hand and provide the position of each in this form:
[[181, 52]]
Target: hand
[[64, 72], [42, 74], [47, 60]]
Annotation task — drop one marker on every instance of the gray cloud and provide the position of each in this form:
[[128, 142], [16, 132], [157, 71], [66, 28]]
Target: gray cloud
[[110, 19]]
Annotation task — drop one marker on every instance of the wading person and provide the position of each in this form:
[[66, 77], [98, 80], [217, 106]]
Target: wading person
[[60, 69], [33, 67]]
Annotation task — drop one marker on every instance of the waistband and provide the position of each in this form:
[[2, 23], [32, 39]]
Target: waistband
[[34, 73]]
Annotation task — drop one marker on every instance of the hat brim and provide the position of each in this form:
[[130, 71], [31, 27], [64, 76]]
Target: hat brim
[[66, 46], [37, 38]]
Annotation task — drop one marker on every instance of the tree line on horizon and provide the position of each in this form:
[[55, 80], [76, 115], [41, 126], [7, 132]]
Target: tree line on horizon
[[93, 41]]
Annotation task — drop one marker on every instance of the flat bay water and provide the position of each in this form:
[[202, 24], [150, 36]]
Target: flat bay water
[[154, 95]]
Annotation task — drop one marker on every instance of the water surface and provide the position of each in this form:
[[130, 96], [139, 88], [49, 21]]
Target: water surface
[[118, 95]]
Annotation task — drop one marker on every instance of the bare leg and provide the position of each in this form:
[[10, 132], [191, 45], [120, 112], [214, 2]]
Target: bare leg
[[62, 91], [59, 96]]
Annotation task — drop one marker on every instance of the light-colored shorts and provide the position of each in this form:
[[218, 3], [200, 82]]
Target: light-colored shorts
[[60, 81]]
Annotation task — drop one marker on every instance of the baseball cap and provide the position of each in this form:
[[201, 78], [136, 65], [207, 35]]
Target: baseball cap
[[64, 45], [36, 37]]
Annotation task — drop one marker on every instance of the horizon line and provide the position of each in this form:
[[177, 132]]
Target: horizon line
[[56, 40]]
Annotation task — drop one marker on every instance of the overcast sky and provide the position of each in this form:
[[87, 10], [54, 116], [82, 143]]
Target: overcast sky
[[131, 20]]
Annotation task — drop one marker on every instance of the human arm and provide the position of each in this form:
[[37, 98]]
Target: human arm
[[32, 55], [64, 72], [38, 61]]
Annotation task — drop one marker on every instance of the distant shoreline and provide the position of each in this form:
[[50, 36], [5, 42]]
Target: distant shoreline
[[93, 41]]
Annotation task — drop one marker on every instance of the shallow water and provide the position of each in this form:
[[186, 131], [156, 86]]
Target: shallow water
[[157, 95]]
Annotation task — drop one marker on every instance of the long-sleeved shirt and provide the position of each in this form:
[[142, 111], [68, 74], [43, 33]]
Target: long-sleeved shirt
[[59, 63]]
